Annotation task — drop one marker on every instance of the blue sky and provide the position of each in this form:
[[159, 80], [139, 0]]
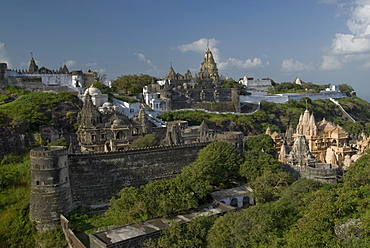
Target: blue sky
[[320, 41]]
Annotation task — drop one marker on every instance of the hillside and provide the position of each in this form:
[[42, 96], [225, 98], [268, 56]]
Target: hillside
[[280, 116], [22, 113]]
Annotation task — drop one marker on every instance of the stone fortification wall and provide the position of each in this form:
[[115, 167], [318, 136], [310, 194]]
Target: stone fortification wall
[[50, 186], [27, 83], [322, 172], [283, 98], [95, 178]]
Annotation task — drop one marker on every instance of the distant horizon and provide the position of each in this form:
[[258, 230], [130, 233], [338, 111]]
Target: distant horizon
[[319, 41]]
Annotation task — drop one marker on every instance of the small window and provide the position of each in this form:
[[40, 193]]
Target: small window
[[37, 182]]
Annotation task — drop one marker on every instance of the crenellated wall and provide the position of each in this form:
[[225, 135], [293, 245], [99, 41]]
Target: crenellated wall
[[96, 178], [62, 182]]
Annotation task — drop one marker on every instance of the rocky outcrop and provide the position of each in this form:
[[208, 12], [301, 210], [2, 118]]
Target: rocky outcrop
[[17, 137], [14, 142]]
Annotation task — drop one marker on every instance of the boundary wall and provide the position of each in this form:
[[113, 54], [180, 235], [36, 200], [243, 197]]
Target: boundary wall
[[284, 98], [61, 182], [322, 172], [96, 178]]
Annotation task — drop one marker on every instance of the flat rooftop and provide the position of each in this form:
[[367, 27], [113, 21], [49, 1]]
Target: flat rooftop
[[242, 190], [130, 231]]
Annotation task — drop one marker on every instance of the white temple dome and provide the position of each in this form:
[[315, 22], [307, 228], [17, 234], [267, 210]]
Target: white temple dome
[[93, 91]]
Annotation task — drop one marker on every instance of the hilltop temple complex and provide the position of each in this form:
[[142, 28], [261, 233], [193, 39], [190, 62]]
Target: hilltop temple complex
[[326, 141], [36, 79], [178, 91]]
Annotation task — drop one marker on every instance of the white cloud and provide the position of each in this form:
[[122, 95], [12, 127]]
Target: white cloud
[[349, 44], [231, 63], [330, 63], [359, 23], [200, 46], [355, 57], [359, 26], [228, 64], [102, 71], [291, 65], [3, 55], [352, 46], [153, 68], [70, 63]]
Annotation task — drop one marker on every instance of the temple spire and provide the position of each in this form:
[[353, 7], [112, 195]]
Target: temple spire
[[33, 68]]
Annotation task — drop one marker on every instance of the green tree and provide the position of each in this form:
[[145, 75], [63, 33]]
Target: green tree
[[354, 193], [132, 84], [215, 165], [263, 143], [148, 140], [128, 207], [316, 226], [59, 142], [101, 86], [345, 88], [227, 84], [295, 192], [191, 234], [160, 198], [257, 226], [99, 77], [51, 239], [256, 163], [270, 185], [353, 127], [167, 197], [358, 174]]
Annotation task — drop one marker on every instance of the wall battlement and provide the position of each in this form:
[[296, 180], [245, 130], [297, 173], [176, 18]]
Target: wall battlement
[[53, 151], [142, 150]]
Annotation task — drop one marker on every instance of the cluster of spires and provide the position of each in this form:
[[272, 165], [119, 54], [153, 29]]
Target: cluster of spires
[[34, 69]]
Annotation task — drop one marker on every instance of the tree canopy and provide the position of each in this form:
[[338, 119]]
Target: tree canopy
[[131, 84]]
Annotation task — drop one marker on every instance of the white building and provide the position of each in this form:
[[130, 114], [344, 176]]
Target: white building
[[256, 84]]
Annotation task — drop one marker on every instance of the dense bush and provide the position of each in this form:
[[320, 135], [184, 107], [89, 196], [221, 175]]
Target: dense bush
[[34, 108]]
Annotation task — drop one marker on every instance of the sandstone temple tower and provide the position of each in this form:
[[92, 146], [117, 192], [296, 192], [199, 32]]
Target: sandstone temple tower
[[50, 186], [208, 68]]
